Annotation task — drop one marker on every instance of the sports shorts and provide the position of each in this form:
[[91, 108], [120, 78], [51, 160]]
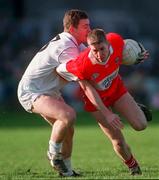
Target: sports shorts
[[107, 100], [27, 98]]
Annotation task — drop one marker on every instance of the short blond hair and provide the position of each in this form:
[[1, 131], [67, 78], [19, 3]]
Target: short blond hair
[[96, 36]]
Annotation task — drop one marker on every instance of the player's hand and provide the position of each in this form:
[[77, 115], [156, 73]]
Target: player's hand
[[114, 121], [143, 55]]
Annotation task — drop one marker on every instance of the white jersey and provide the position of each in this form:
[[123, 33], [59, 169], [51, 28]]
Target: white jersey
[[40, 76]]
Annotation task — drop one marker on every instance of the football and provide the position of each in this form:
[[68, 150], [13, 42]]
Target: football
[[131, 52]]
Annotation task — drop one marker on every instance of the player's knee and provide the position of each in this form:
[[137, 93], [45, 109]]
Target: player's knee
[[69, 117], [141, 125]]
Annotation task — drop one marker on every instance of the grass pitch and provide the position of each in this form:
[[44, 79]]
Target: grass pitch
[[24, 142]]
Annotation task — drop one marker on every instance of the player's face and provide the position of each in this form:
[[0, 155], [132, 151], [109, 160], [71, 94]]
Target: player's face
[[100, 51], [81, 32]]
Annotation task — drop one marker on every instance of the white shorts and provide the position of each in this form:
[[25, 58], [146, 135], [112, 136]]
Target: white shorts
[[26, 98]]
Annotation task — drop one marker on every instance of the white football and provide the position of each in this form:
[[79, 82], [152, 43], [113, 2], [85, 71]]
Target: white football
[[130, 52]]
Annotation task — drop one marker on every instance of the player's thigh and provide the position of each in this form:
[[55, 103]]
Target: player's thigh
[[53, 107], [129, 109]]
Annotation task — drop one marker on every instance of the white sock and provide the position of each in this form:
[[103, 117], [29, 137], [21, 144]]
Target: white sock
[[68, 164], [54, 147]]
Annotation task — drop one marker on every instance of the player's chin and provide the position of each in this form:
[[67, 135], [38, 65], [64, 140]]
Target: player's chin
[[103, 59]]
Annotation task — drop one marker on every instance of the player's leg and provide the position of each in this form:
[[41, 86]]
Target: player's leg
[[68, 143], [67, 150], [129, 109], [119, 144], [116, 137], [62, 118], [57, 112], [147, 112]]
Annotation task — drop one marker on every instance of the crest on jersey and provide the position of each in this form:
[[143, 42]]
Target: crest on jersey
[[95, 75]]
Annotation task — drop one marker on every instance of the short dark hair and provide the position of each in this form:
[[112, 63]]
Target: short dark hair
[[72, 17], [96, 36]]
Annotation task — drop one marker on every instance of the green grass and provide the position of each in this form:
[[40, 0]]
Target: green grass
[[24, 142]]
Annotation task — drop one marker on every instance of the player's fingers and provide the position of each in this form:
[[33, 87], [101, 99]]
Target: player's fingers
[[117, 124], [146, 54]]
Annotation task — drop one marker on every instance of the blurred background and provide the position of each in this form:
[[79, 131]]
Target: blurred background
[[26, 25]]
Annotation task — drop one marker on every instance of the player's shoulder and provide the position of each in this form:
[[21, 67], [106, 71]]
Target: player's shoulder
[[115, 39], [112, 36], [68, 40]]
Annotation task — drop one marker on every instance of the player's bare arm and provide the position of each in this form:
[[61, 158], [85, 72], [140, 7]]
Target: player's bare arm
[[111, 118]]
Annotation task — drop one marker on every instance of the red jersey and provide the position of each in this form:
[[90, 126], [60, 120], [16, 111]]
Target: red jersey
[[105, 77]]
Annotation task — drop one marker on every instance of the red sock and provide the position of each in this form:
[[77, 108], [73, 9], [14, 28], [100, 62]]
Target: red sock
[[131, 162]]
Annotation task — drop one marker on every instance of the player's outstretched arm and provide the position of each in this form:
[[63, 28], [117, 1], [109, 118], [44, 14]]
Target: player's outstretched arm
[[111, 118]]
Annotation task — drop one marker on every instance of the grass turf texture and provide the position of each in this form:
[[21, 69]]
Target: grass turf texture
[[24, 142]]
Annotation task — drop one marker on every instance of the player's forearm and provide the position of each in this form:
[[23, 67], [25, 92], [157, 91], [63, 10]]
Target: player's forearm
[[94, 97], [112, 119]]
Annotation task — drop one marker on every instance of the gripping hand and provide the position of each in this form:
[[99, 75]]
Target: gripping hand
[[144, 54]]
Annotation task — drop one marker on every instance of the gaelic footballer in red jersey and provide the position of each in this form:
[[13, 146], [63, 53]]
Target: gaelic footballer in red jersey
[[98, 67]]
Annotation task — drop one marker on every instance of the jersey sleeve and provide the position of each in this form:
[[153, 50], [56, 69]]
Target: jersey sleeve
[[72, 70]]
